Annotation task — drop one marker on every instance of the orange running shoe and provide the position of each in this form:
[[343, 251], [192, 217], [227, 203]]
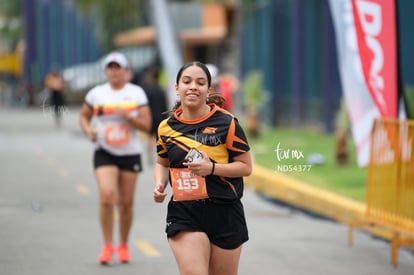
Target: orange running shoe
[[123, 254], [106, 254]]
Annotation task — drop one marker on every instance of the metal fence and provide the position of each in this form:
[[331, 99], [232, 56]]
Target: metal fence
[[390, 183], [390, 186]]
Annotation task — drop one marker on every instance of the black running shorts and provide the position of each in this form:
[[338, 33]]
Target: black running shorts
[[130, 163], [224, 224]]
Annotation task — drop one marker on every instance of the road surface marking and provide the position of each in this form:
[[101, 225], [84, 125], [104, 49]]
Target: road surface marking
[[64, 173], [147, 248], [51, 161], [39, 151], [83, 189]]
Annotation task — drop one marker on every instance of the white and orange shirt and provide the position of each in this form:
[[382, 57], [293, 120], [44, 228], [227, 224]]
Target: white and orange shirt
[[114, 133]]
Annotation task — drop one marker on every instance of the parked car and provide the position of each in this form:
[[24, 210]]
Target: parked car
[[81, 77]]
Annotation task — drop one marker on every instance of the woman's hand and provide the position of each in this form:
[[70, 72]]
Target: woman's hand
[[159, 193], [91, 133], [161, 175], [123, 113], [203, 167]]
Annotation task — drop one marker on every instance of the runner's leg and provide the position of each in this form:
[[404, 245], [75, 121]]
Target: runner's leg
[[192, 252], [107, 177], [224, 261], [127, 183]]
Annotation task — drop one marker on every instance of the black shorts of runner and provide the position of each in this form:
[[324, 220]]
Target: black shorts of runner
[[224, 224], [130, 163]]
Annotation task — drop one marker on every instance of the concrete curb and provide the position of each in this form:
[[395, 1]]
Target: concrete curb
[[298, 194]]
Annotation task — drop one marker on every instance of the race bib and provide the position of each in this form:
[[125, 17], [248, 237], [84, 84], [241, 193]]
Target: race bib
[[117, 135], [187, 186]]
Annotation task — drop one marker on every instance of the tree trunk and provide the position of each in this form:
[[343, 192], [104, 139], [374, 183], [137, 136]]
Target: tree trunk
[[253, 124]]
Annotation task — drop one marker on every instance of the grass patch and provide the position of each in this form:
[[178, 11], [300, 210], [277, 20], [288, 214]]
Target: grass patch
[[276, 149]]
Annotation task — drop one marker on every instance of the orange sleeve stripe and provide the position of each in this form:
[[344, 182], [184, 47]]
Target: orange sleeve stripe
[[231, 137], [182, 146], [110, 109]]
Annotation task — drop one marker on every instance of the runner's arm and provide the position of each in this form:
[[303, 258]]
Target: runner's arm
[[141, 122], [85, 119], [161, 173], [240, 167]]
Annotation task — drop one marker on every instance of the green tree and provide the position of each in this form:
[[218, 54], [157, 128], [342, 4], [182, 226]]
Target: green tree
[[11, 23], [253, 92]]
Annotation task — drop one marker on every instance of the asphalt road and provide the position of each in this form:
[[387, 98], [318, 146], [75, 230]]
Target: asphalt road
[[49, 216]]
